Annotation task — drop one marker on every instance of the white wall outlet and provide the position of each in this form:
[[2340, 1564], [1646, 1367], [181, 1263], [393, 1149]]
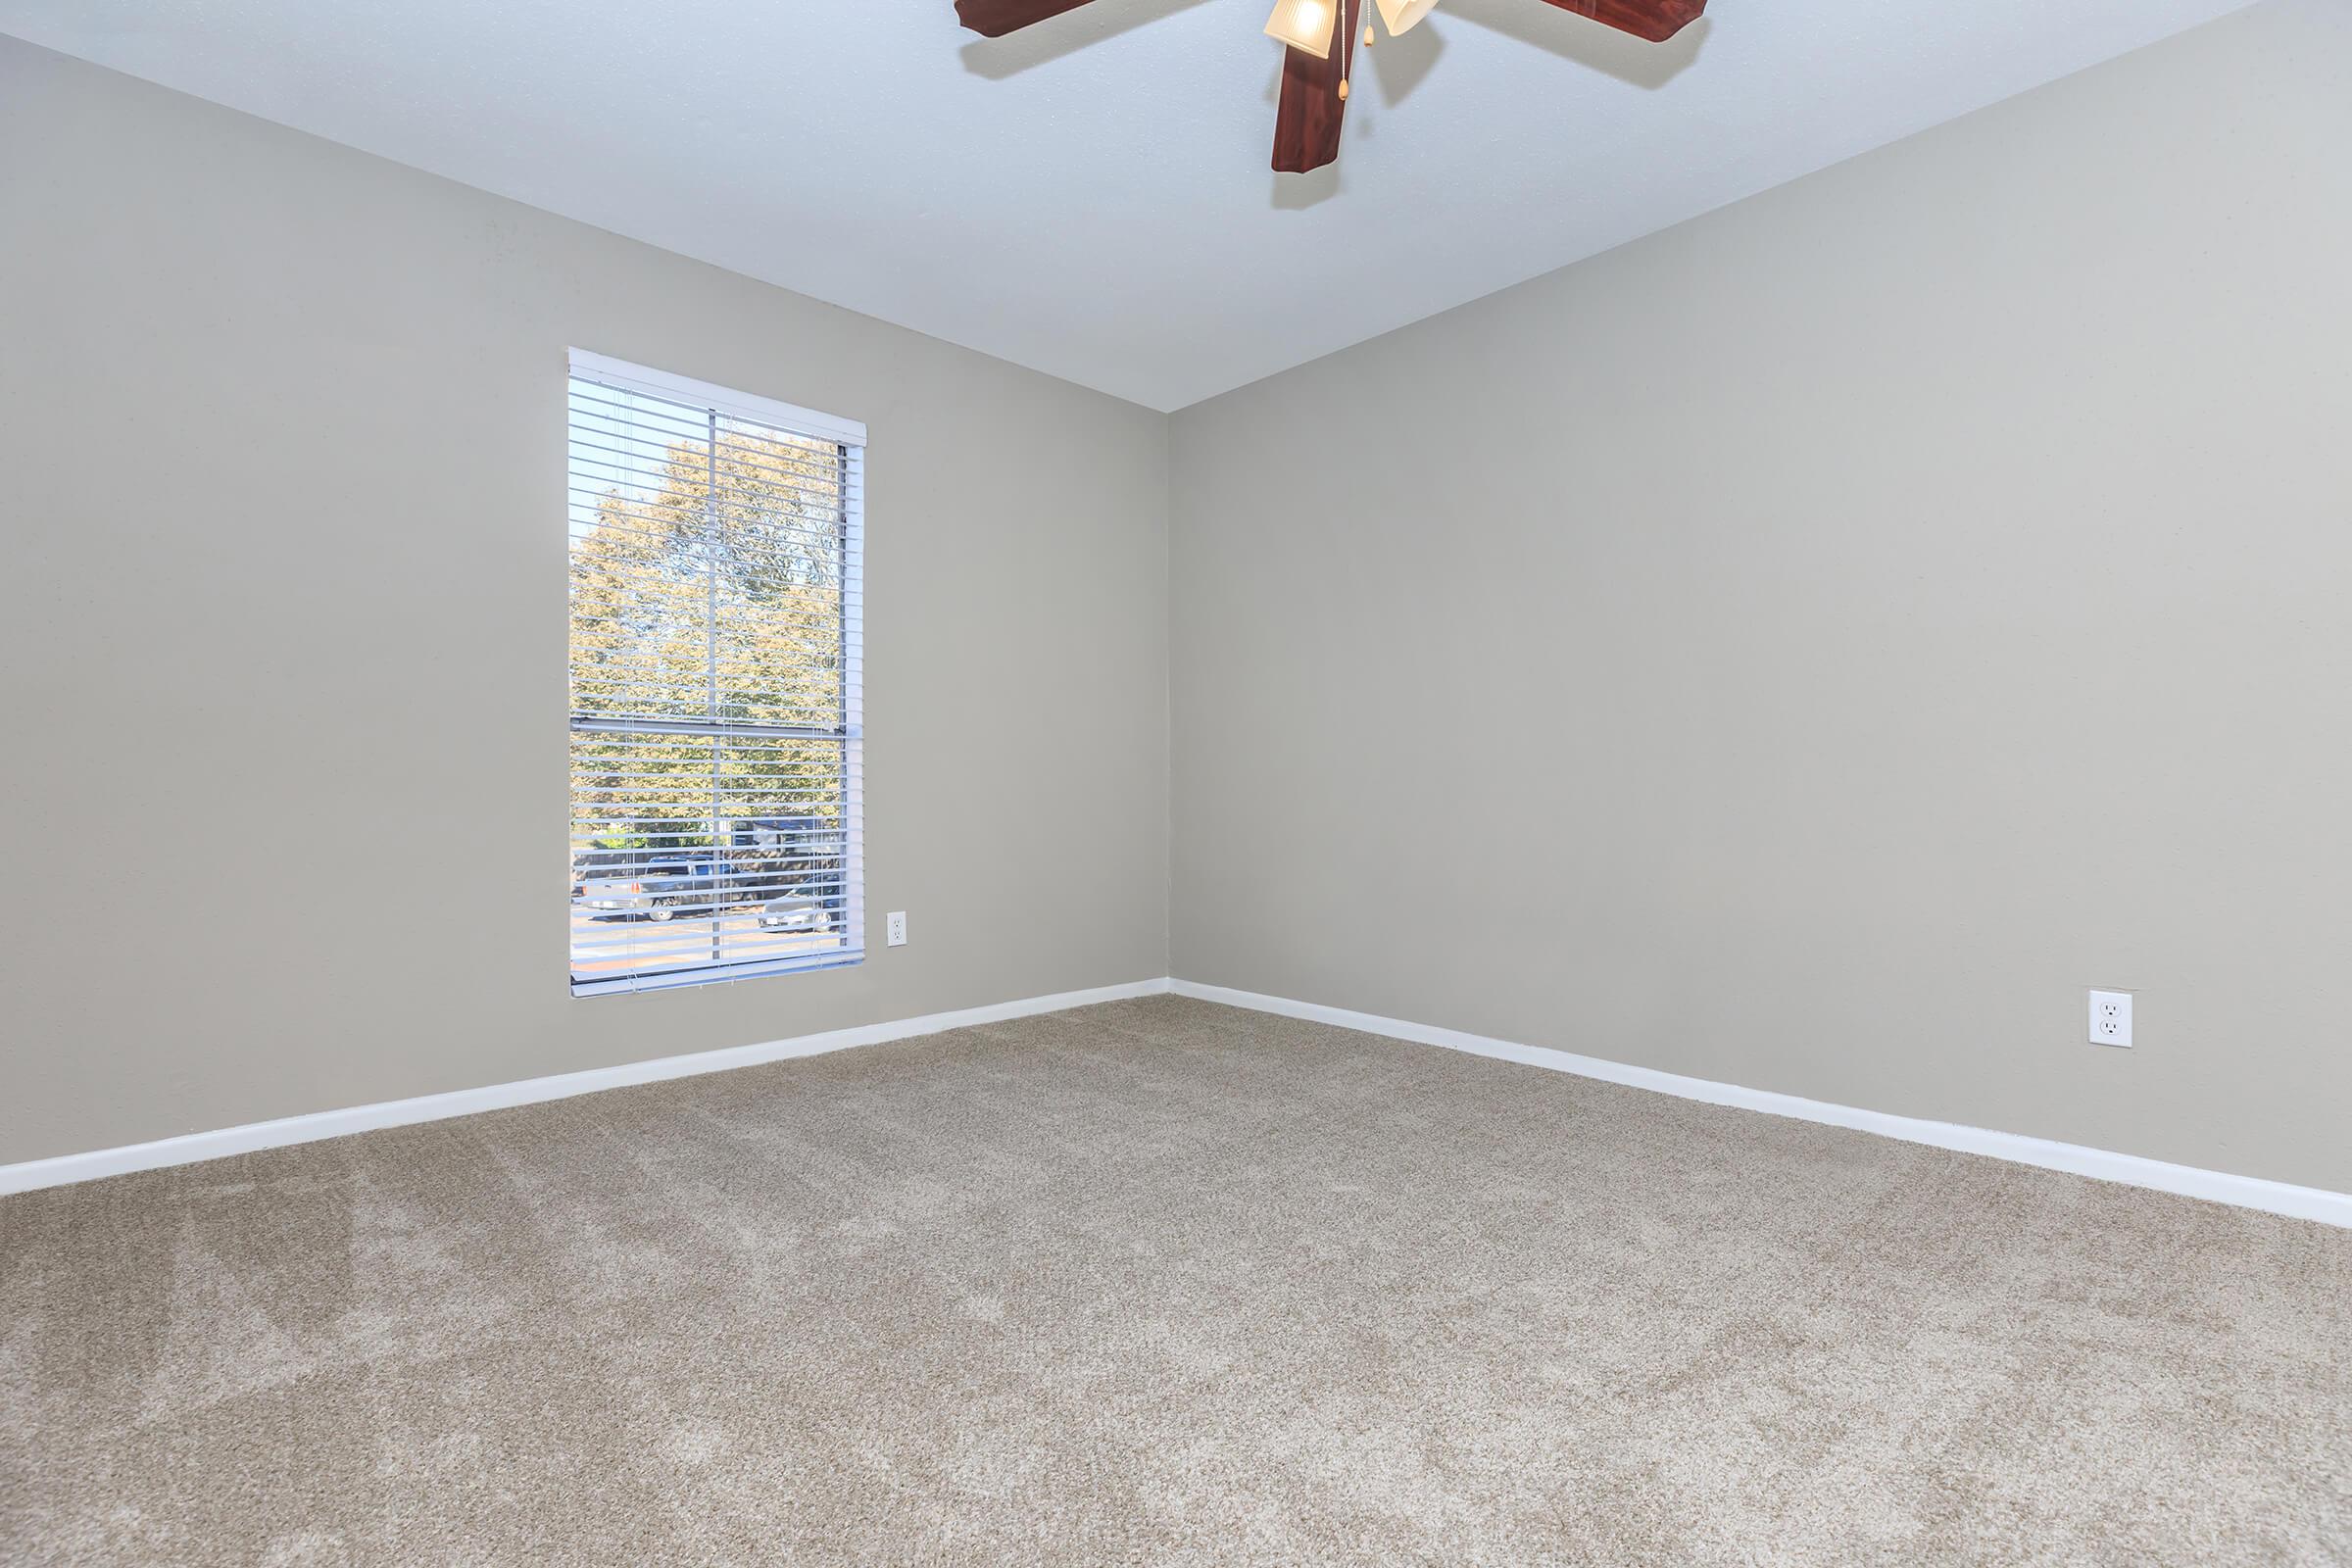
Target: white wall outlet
[[897, 923], [2110, 1017]]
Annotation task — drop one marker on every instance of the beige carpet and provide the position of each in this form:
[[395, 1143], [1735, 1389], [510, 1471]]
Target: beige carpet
[[1157, 1283]]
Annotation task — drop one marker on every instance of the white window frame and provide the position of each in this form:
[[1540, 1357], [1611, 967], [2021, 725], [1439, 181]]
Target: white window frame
[[851, 436]]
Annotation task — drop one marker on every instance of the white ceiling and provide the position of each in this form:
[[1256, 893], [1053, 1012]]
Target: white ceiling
[[1091, 197]]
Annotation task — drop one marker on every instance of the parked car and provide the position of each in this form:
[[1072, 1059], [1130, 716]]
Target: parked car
[[816, 906]]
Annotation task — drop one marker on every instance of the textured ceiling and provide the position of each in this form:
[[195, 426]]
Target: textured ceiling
[[1091, 197]]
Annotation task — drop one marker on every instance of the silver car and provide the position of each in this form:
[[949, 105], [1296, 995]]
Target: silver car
[[808, 908]]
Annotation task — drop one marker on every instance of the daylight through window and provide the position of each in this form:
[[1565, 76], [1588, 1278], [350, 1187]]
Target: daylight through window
[[716, 734]]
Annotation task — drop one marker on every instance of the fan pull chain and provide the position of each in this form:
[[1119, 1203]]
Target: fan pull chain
[[1346, 52]]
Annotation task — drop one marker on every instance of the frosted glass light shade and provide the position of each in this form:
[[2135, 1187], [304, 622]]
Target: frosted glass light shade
[[1304, 24], [1402, 15]]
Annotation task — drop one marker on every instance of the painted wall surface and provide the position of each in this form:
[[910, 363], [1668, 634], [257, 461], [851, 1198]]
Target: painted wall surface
[[282, 631], [1810, 647], [1807, 648]]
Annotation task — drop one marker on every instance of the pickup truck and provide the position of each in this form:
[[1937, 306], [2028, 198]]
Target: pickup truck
[[659, 890]]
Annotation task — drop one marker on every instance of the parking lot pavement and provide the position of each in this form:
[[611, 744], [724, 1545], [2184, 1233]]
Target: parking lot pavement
[[606, 945]]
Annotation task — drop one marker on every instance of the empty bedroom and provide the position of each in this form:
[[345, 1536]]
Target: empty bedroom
[[1176, 782]]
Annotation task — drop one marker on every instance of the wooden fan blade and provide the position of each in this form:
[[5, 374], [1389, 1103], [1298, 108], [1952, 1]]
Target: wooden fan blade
[[1654, 19], [994, 19], [1306, 124]]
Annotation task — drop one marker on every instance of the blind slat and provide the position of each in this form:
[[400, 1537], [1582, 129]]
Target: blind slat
[[672, 452]]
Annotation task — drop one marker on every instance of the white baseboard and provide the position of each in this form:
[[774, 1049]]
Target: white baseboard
[[193, 1147], [2245, 1192]]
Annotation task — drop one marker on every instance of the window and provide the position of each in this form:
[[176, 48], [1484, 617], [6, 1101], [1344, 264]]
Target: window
[[716, 729]]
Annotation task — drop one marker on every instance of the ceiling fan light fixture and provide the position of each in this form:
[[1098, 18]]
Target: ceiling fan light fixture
[[1402, 15], [1312, 105], [1306, 25]]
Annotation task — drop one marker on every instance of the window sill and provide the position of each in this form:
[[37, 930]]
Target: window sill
[[676, 979]]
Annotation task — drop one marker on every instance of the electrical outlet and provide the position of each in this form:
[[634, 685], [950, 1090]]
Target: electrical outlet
[[898, 936], [2110, 1017]]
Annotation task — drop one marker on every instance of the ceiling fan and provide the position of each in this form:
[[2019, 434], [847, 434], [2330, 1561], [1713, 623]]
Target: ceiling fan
[[1321, 36]]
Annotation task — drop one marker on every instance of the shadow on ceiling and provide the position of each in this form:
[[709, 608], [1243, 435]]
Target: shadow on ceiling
[[1586, 43], [1067, 33]]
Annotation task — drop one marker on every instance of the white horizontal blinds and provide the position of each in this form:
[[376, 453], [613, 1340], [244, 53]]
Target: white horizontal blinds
[[717, 610]]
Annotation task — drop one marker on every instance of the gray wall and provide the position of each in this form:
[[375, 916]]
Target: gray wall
[[1806, 647], [282, 476], [1810, 647]]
